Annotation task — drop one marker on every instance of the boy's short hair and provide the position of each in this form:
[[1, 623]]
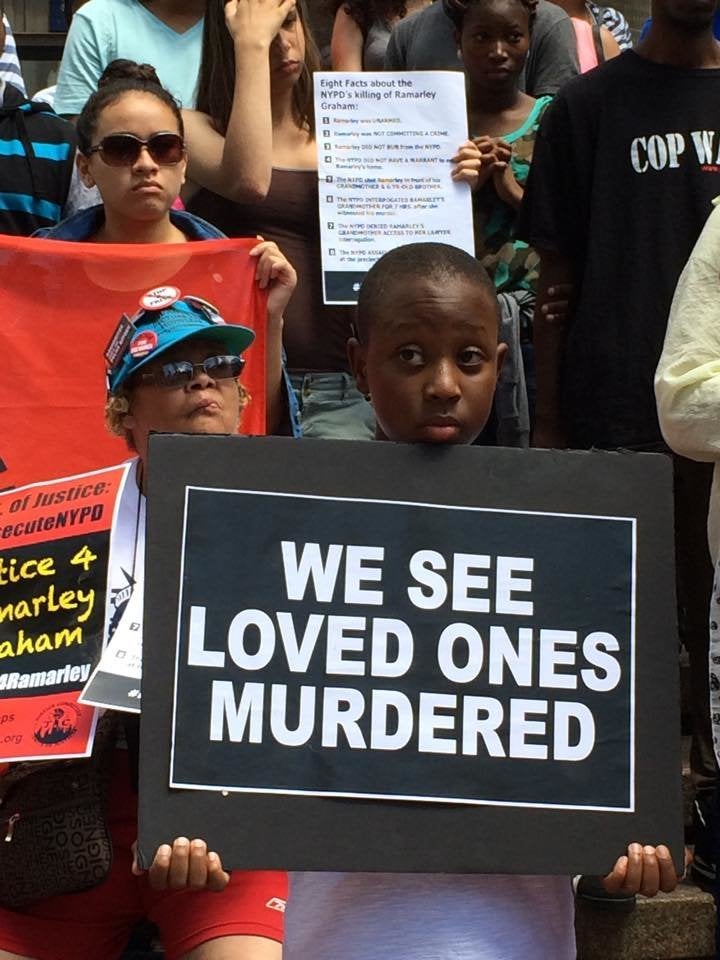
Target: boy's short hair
[[427, 261]]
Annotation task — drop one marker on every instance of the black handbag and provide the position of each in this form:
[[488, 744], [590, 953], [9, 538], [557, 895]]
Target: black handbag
[[54, 837]]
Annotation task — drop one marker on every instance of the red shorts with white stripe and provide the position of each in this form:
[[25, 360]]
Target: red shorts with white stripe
[[96, 924]]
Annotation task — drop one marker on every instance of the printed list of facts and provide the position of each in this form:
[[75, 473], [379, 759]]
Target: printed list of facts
[[385, 143]]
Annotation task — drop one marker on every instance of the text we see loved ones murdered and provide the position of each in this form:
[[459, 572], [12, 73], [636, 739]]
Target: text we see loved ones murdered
[[447, 673]]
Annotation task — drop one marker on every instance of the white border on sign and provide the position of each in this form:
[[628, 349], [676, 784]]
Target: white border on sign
[[394, 796]]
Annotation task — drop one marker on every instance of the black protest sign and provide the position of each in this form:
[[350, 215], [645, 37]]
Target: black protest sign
[[407, 652]]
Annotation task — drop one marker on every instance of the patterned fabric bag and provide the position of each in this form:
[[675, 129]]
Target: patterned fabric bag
[[54, 837]]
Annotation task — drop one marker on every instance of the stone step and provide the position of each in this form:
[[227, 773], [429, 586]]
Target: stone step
[[672, 926]]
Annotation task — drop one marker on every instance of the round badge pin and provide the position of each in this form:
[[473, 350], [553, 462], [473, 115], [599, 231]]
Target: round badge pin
[[143, 344], [159, 298]]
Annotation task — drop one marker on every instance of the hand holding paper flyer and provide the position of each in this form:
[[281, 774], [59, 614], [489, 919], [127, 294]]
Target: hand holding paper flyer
[[384, 146]]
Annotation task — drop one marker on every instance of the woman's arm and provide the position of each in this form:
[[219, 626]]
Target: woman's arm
[[346, 43], [239, 165], [687, 380], [611, 48], [276, 275]]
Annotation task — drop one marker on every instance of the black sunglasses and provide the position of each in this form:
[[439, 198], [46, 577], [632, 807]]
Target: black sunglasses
[[123, 149], [182, 372]]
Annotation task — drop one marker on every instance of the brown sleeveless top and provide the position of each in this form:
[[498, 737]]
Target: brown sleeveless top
[[315, 335]]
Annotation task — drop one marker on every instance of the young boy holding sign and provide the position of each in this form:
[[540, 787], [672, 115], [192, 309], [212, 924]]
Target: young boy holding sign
[[427, 355]]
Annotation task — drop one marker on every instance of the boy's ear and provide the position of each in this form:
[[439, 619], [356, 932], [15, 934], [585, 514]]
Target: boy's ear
[[357, 354]]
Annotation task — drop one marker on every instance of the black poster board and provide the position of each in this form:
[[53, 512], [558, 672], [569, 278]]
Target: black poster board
[[369, 656]]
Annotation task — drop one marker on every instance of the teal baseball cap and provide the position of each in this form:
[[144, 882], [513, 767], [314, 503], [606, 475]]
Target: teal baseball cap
[[166, 318]]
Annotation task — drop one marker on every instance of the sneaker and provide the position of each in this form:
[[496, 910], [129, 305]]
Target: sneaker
[[590, 890]]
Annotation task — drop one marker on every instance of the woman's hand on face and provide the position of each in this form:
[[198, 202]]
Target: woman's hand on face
[[186, 864], [472, 166], [256, 22], [274, 273]]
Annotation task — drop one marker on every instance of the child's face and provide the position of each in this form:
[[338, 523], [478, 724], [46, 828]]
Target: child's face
[[431, 361], [144, 190], [494, 42]]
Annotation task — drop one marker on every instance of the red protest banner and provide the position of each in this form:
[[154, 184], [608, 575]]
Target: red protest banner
[[61, 303], [54, 551]]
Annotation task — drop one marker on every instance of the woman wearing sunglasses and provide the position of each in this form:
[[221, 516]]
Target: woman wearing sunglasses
[[177, 372], [131, 146]]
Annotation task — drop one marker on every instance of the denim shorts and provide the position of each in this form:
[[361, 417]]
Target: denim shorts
[[332, 407]]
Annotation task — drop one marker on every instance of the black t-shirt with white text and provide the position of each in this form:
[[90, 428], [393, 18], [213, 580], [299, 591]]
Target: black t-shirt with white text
[[625, 166]]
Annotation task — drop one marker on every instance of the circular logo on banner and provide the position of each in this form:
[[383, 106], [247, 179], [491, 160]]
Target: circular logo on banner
[[143, 344], [159, 298], [56, 724]]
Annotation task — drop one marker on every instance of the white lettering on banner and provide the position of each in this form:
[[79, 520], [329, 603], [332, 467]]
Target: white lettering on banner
[[278, 716], [438, 723], [342, 709], [594, 648], [423, 565], [503, 654], [339, 644], [473, 649], [381, 665], [562, 748], [551, 658], [463, 653], [299, 654], [383, 702], [198, 656], [310, 566], [426, 566], [475, 726], [526, 664], [521, 728], [324, 573], [246, 714]]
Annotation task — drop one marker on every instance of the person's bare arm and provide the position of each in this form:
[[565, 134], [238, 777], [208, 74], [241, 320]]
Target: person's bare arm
[[610, 46], [275, 274], [239, 165], [549, 335], [346, 43]]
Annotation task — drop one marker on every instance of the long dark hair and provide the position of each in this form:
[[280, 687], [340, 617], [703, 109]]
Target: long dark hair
[[217, 71], [120, 77], [366, 12]]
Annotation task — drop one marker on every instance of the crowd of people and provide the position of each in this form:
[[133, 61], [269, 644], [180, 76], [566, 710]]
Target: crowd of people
[[593, 168]]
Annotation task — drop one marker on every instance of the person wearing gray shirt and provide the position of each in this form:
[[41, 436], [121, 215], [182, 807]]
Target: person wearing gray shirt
[[426, 41]]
